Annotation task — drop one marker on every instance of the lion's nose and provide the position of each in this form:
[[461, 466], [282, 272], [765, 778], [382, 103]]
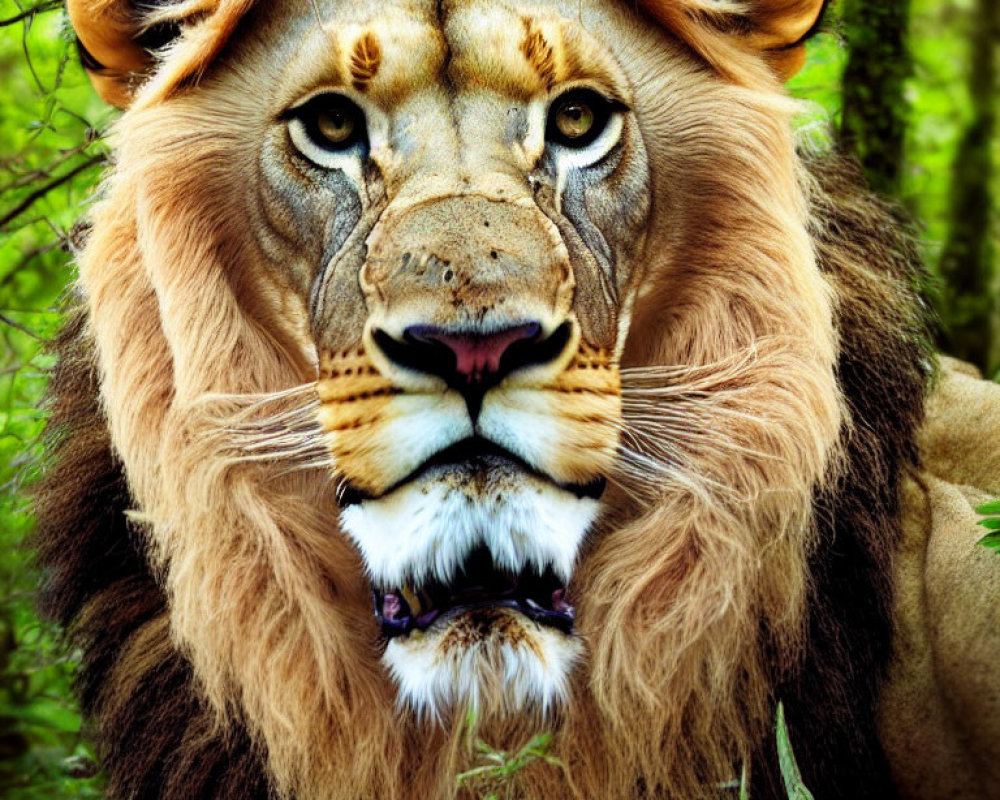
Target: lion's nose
[[476, 357], [472, 361]]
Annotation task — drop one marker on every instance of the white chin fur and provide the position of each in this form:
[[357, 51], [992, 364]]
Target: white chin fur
[[426, 529], [490, 676]]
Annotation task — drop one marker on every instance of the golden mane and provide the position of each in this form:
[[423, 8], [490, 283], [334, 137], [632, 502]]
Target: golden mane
[[216, 580]]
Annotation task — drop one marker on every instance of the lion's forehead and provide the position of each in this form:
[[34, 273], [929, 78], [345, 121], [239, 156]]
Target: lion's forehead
[[390, 52]]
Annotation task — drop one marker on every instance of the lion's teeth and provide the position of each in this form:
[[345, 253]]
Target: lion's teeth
[[412, 600], [559, 601], [391, 606]]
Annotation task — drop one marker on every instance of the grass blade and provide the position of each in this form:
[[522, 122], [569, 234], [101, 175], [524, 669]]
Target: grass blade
[[794, 786]]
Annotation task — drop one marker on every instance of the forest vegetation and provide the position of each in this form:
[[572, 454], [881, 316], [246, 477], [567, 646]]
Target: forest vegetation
[[909, 87]]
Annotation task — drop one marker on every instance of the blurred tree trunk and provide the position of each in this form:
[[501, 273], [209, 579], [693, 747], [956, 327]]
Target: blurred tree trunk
[[968, 260], [873, 127]]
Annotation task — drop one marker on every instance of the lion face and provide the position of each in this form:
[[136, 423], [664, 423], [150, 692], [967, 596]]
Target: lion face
[[466, 299], [537, 284]]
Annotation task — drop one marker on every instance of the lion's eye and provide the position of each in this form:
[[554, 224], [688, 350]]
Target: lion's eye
[[327, 123], [577, 118], [336, 126]]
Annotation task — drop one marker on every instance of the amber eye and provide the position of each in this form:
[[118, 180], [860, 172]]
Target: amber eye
[[577, 118], [336, 125], [332, 122]]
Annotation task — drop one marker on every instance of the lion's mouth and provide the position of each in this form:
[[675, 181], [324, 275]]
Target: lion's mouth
[[440, 572], [478, 584], [471, 455]]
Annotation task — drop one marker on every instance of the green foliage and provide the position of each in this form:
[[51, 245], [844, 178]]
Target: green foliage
[[494, 778], [991, 521], [941, 114], [794, 786], [970, 253], [50, 151]]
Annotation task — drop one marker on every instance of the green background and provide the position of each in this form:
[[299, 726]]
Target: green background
[[51, 152]]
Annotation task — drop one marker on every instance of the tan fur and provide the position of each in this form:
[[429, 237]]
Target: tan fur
[[270, 606], [204, 343], [774, 27], [940, 706]]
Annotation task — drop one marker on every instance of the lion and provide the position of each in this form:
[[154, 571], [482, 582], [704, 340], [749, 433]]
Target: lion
[[473, 369]]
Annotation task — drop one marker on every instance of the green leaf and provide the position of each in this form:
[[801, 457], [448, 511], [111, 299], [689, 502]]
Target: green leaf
[[794, 786], [993, 507], [500, 769], [991, 523]]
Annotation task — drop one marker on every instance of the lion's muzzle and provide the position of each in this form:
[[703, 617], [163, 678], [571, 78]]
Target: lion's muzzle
[[472, 430]]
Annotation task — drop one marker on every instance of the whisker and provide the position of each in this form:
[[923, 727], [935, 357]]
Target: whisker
[[279, 427], [680, 422]]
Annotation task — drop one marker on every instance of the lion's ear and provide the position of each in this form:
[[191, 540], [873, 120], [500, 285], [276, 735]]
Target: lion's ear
[[118, 40], [776, 28], [780, 29]]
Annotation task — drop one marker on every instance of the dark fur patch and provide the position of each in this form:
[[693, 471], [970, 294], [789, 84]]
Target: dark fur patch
[[156, 741], [366, 59], [538, 52], [831, 703]]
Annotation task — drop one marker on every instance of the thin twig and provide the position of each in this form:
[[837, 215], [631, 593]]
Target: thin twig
[[39, 193], [27, 178], [48, 5], [15, 324], [27, 56], [29, 256]]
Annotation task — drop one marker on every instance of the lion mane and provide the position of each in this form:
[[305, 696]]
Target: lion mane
[[744, 551]]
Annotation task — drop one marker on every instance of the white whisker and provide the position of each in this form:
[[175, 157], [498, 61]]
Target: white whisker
[[681, 423], [278, 427]]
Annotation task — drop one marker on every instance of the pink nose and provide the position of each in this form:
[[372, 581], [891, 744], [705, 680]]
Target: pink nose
[[470, 361], [477, 355]]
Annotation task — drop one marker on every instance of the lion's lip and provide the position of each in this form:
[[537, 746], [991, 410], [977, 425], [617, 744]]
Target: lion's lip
[[472, 453], [540, 597]]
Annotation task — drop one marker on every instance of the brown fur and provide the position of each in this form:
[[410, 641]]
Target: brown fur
[[745, 537], [883, 369], [365, 61], [539, 54], [99, 583], [150, 720]]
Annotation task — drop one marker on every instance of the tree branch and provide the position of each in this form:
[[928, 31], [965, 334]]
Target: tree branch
[[47, 5], [14, 324], [40, 192]]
